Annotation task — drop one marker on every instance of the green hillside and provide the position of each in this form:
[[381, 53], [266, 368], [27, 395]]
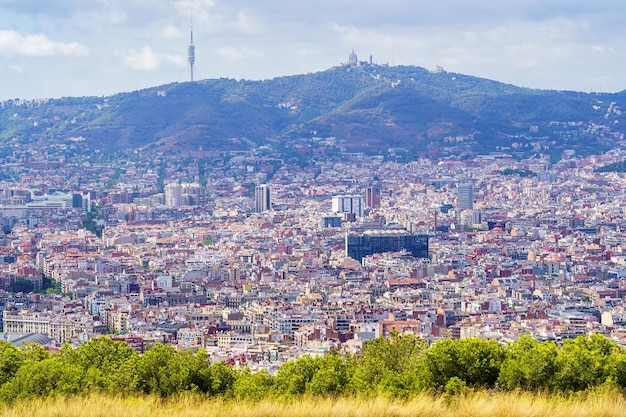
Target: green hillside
[[369, 107]]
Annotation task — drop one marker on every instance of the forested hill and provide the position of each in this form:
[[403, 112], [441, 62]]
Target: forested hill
[[369, 107]]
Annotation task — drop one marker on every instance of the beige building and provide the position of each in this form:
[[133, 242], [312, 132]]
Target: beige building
[[61, 328]]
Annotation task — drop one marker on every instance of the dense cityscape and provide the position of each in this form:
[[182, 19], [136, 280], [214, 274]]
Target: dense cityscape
[[260, 259], [219, 208]]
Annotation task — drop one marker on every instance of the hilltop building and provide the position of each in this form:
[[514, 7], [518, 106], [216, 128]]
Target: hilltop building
[[352, 59]]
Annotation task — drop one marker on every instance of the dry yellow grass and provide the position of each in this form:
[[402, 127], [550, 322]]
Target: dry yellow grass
[[481, 404]]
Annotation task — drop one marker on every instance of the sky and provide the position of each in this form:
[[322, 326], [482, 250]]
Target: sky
[[59, 48]]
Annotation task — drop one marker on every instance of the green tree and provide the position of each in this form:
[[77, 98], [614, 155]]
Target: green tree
[[331, 377], [34, 352], [163, 371], [91, 220], [11, 358], [618, 376], [109, 365], [253, 385], [320, 375], [51, 376], [22, 286], [101, 353], [585, 362], [454, 388], [390, 364], [293, 376], [51, 286], [221, 378], [529, 365], [474, 361]]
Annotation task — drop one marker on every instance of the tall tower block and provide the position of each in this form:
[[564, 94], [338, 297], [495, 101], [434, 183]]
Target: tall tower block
[[262, 198], [191, 54], [466, 196]]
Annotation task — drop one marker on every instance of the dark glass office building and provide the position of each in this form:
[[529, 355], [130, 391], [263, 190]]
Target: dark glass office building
[[361, 245]]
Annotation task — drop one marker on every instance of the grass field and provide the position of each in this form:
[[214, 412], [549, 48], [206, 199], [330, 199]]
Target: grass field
[[483, 404]]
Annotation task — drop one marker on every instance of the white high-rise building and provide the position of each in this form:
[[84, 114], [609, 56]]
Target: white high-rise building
[[173, 193], [262, 198], [348, 204]]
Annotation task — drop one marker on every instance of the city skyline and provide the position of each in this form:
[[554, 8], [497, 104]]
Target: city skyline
[[73, 49]]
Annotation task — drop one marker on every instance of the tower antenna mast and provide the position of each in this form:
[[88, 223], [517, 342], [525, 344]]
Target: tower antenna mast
[[191, 52]]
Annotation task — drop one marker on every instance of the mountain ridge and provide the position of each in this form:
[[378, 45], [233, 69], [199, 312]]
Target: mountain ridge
[[368, 107]]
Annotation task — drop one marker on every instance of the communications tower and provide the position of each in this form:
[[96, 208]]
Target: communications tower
[[191, 53]]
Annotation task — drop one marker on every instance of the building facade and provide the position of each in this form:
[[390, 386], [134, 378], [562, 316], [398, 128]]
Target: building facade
[[173, 193], [348, 204], [262, 198], [372, 196], [358, 246], [466, 196]]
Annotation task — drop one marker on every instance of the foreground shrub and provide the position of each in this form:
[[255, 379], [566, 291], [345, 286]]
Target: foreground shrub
[[401, 366], [393, 365], [49, 377], [163, 371], [529, 365], [476, 362]]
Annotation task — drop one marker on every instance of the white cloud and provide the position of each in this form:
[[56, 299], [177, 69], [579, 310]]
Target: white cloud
[[174, 60], [111, 17], [237, 54], [198, 9], [209, 17], [247, 23], [144, 60], [147, 60], [172, 32], [356, 37], [16, 69], [14, 43], [185, 5], [601, 49], [557, 44]]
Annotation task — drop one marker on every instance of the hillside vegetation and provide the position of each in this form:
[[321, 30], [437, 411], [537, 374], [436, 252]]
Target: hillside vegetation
[[369, 107]]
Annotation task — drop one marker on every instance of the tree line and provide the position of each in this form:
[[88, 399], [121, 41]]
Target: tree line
[[400, 366], [619, 166]]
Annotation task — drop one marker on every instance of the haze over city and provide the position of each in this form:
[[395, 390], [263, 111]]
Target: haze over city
[[74, 48]]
